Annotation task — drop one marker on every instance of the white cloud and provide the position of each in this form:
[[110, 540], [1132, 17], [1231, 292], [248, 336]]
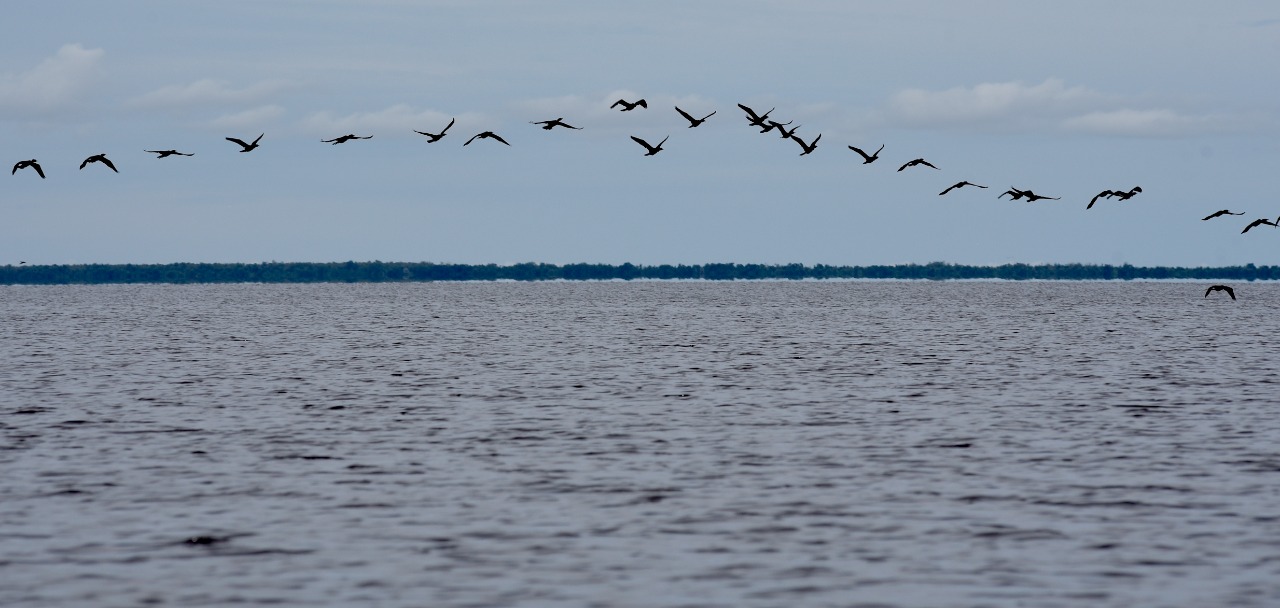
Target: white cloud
[[56, 82], [399, 119], [1008, 102], [1145, 123], [255, 117], [207, 92]]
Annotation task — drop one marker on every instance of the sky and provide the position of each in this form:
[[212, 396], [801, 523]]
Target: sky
[[1179, 97]]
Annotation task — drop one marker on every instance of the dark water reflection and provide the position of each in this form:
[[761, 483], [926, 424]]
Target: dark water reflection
[[640, 444]]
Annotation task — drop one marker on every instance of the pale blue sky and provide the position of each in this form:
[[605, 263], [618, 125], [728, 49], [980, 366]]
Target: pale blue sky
[[1069, 99]]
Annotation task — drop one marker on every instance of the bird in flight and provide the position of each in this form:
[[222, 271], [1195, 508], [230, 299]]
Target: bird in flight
[[1029, 195], [1261, 222], [247, 147], [1219, 214], [918, 161], [28, 163], [809, 147], [1120, 194], [629, 106], [485, 135], [651, 149], [98, 158], [757, 120], [959, 185], [782, 129], [693, 122], [435, 137], [167, 153], [1231, 292], [868, 158], [548, 125], [1014, 194], [344, 139]]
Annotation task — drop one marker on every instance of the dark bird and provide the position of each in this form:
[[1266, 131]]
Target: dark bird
[[1260, 222], [247, 147], [960, 185], [344, 139], [1103, 194], [98, 158], [1014, 193], [629, 106], [783, 130], [1231, 292], [1219, 214], [651, 149], [23, 164], [773, 124], [756, 119], [548, 125], [693, 122], [1033, 197], [918, 161], [167, 153], [435, 137], [1120, 194], [485, 135], [866, 158], [809, 147]]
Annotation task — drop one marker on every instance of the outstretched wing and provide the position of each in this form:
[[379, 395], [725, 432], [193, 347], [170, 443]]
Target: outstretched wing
[[641, 142], [907, 164], [686, 115], [951, 188], [107, 162], [473, 138], [927, 164], [446, 127], [85, 163], [642, 103], [495, 136], [36, 166], [238, 141]]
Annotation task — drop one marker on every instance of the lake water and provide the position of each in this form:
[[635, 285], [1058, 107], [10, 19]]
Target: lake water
[[640, 444]]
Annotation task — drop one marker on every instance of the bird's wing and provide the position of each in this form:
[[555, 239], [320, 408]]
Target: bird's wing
[[927, 164], [641, 142], [664, 140], [815, 140], [708, 115], [473, 138], [860, 152], [107, 162], [446, 127], [685, 115], [497, 137], [36, 166], [15, 169], [905, 165], [257, 139], [85, 162], [750, 113], [642, 103], [1212, 215], [238, 141], [1231, 292], [618, 103], [975, 185], [951, 188], [1208, 291], [878, 151]]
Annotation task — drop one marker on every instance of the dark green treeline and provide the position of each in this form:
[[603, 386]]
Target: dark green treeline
[[382, 272]]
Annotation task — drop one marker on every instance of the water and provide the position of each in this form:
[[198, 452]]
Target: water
[[640, 444]]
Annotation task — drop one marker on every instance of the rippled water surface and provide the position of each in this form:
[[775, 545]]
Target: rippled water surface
[[640, 444]]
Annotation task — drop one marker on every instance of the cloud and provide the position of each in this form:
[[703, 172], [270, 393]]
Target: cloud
[[207, 92], [56, 82], [987, 103], [255, 117], [1145, 123], [398, 119]]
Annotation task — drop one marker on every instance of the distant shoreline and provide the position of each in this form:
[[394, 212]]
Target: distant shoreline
[[402, 272]]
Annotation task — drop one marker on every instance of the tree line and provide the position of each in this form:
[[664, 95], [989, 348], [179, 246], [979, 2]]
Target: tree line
[[384, 272]]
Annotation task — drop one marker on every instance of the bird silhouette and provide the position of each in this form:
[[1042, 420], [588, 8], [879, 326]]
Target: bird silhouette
[[548, 125], [435, 137], [1103, 194], [773, 124], [756, 119], [628, 106], [1219, 214], [1212, 288], [959, 185], [344, 139], [868, 158], [23, 164], [809, 147], [247, 147], [167, 153], [1120, 194], [782, 130], [1260, 222], [651, 149], [1013, 193], [485, 135], [98, 158], [693, 122], [1033, 197], [918, 161]]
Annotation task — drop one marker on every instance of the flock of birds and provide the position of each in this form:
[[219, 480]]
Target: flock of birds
[[761, 121]]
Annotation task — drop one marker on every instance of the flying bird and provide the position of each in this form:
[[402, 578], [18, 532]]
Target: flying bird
[[1219, 214], [629, 106], [1231, 292], [918, 161], [1260, 222], [247, 147], [809, 147], [754, 119], [98, 158], [167, 153], [693, 122], [1120, 194], [1033, 197], [23, 164], [1013, 193], [651, 149], [783, 130], [435, 137], [868, 158], [548, 125], [959, 185], [773, 124], [344, 139], [485, 135]]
